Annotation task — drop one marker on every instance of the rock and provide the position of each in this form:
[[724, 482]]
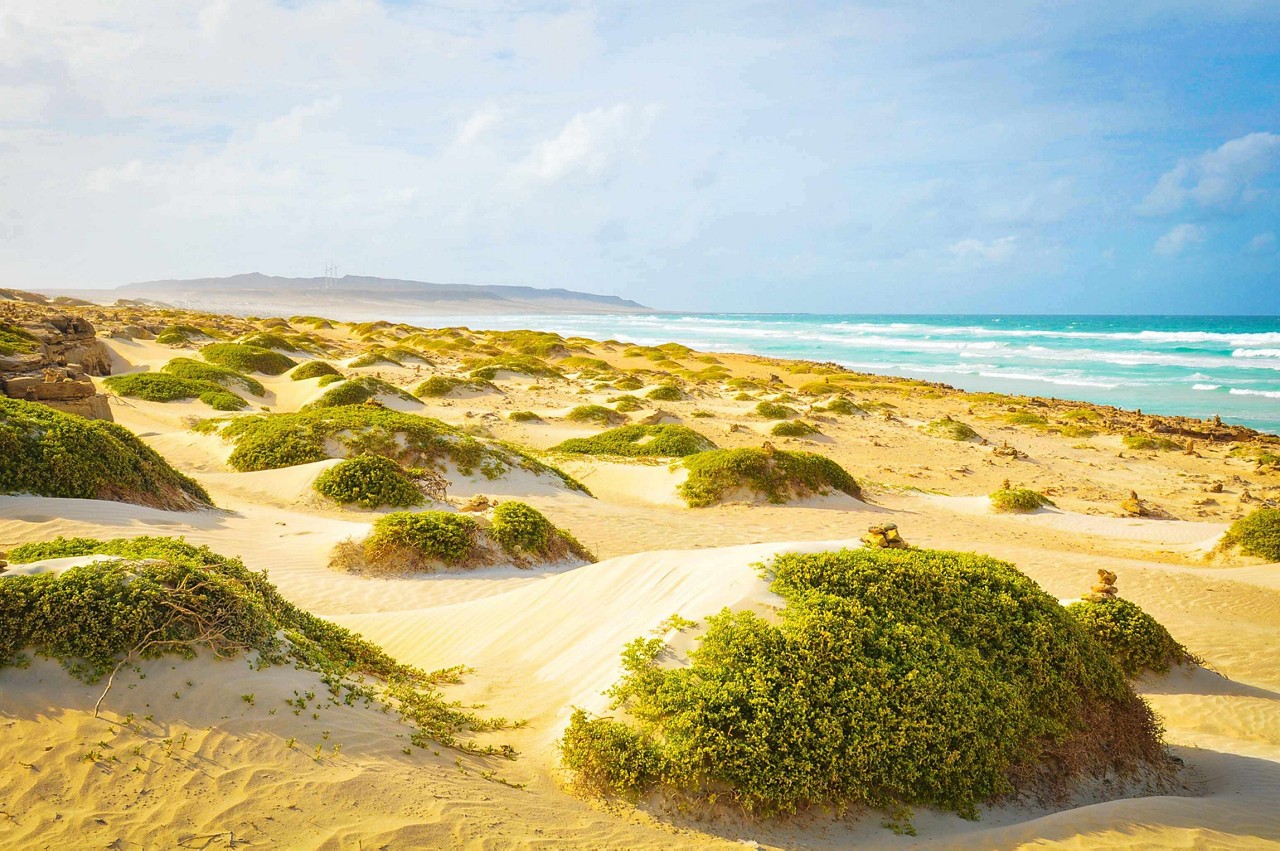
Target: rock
[[479, 502], [56, 374], [1004, 450], [1104, 588], [1132, 506], [884, 536], [1216, 487]]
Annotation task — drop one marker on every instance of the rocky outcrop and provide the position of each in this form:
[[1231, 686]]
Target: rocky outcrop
[[884, 536], [54, 370]]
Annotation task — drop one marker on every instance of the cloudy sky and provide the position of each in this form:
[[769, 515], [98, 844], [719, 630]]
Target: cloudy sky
[[846, 157]]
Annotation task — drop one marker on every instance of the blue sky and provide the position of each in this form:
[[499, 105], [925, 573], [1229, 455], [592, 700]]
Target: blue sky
[[833, 157]]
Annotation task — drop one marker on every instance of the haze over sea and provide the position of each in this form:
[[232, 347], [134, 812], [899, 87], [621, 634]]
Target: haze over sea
[[1194, 366]]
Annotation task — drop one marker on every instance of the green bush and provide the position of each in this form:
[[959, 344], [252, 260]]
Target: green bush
[[640, 441], [1257, 534], [779, 476], [194, 370], [179, 335], [49, 453], [1135, 640], [842, 405], [370, 481], [373, 358], [774, 411], [357, 391], [438, 386], [891, 679], [524, 417], [403, 542], [488, 368], [520, 528], [313, 369], [245, 358], [793, 428], [266, 340], [158, 387], [1150, 442], [1018, 500], [819, 388], [169, 597], [949, 429], [665, 393], [628, 382], [594, 414], [14, 340], [1025, 418], [271, 441], [626, 404]]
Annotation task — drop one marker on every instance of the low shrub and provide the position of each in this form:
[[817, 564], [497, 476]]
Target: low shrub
[[1025, 418], [158, 387], [626, 404], [413, 542], [594, 414], [665, 393], [779, 476], [525, 533], [1018, 500], [1150, 443], [166, 596], [891, 679], [357, 391], [628, 382], [14, 340], [524, 417], [1135, 640], [819, 388], [1257, 534], [640, 441], [246, 358], [793, 428], [49, 453], [194, 370], [312, 369], [842, 405], [179, 335], [488, 368], [949, 429], [774, 411], [370, 481], [439, 386], [267, 340]]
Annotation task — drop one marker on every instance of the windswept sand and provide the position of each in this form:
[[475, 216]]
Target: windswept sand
[[216, 770]]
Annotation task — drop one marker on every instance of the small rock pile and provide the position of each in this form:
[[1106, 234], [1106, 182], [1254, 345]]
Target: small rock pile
[[1006, 451], [884, 536], [477, 503], [1131, 506], [1104, 589]]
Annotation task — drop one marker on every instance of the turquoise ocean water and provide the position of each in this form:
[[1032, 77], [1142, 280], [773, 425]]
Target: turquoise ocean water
[[1190, 365]]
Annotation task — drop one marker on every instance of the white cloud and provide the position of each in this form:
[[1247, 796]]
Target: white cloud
[[1263, 243], [591, 142], [477, 126], [1218, 178], [994, 251], [1178, 239]]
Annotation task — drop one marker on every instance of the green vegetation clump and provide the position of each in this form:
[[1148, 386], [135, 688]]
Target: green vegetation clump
[[524, 532], [1135, 640], [842, 405], [640, 441], [370, 481], [524, 417], [246, 358], [14, 340], [819, 388], [265, 340], [779, 476], [271, 441], [1257, 534], [166, 596], [793, 428], [49, 453], [357, 391], [626, 404], [628, 382], [489, 368], [891, 679], [413, 542], [159, 387], [1150, 442], [179, 335], [586, 365], [439, 386], [1018, 500], [594, 414], [1088, 415], [373, 358], [194, 370], [949, 429], [1025, 418], [313, 369], [665, 393], [774, 411], [1076, 430]]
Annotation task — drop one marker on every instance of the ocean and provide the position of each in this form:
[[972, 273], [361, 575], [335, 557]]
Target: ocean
[[1194, 366]]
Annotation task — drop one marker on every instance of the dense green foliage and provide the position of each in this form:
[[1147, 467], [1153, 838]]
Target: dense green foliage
[[524, 417], [626, 404], [1150, 442], [842, 405], [1024, 418], [179, 335], [774, 411], [949, 429], [14, 340], [628, 382], [166, 596], [1018, 500], [488, 368], [779, 476], [424, 536], [438, 386], [313, 369], [640, 441], [194, 370], [370, 481], [1257, 534], [246, 358], [665, 393], [49, 453], [270, 441], [1135, 640], [159, 387], [598, 414], [793, 428], [357, 391], [267, 340], [891, 678]]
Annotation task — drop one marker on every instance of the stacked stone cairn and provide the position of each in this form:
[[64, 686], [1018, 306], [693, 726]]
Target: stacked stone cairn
[[884, 536], [1104, 589]]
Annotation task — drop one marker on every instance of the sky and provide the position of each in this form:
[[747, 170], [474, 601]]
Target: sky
[[995, 156]]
